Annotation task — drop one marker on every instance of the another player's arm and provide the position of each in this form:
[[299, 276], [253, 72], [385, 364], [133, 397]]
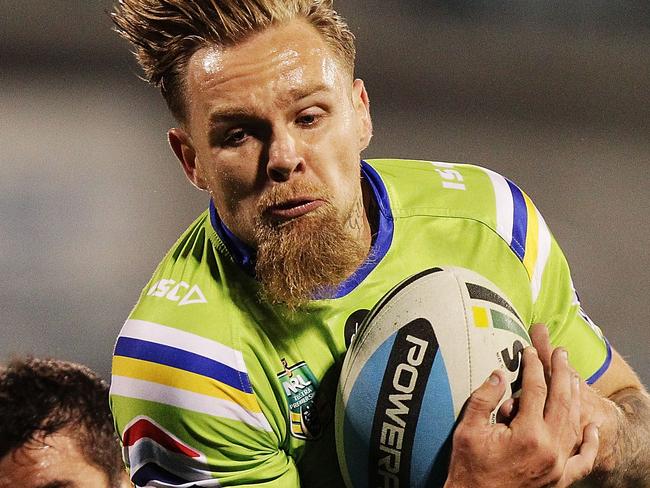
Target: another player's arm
[[620, 406]]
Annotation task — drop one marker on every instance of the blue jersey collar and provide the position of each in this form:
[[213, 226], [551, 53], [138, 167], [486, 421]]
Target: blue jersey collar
[[244, 256]]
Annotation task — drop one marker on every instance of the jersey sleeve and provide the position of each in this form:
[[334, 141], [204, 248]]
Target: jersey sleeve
[[558, 307], [188, 414], [555, 301]]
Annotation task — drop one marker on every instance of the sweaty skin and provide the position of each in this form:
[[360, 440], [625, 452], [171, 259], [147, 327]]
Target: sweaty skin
[[277, 109], [53, 462]]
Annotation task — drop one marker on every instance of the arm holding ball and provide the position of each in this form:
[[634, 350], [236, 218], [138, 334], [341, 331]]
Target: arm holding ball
[[620, 406], [543, 445]]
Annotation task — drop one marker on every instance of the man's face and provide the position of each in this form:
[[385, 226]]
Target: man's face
[[275, 130], [53, 462], [275, 121]]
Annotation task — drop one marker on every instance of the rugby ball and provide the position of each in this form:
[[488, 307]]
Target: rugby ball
[[412, 364]]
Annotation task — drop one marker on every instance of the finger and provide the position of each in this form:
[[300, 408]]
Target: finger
[[580, 465], [478, 408], [506, 411], [563, 406], [533, 388], [576, 410], [542, 342], [560, 399]]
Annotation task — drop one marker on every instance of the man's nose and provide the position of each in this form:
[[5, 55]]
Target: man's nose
[[284, 158]]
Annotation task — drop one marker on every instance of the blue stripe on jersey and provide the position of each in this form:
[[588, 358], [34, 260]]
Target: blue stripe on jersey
[[382, 240], [592, 379], [187, 361], [241, 253], [151, 472], [245, 256], [519, 221]]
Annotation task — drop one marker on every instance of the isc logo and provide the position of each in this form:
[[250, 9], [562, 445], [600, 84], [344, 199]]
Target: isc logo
[[180, 292]]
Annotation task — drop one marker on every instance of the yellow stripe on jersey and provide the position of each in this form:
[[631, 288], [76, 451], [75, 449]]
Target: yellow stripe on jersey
[[183, 380]]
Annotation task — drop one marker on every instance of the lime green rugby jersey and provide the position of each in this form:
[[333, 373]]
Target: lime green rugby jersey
[[212, 388]]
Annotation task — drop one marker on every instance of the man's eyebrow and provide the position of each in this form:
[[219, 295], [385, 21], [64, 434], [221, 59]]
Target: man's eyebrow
[[58, 484], [299, 93], [228, 114], [234, 114]]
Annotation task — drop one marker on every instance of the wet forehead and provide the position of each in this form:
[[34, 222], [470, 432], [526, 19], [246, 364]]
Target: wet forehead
[[284, 61], [53, 462]]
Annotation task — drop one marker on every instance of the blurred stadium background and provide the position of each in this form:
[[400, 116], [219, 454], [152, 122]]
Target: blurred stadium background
[[553, 94]]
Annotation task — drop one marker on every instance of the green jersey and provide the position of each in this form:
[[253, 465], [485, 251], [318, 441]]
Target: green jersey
[[212, 387]]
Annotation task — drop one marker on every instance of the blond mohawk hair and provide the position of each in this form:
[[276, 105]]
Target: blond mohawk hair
[[165, 33]]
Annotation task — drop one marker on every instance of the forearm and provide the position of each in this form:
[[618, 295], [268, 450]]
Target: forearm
[[624, 460]]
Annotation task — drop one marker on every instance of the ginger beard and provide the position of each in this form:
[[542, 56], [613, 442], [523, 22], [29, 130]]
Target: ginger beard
[[307, 257]]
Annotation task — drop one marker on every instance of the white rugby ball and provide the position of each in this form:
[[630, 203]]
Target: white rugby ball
[[413, 363]]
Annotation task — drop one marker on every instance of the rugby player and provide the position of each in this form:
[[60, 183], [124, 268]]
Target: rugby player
[[56, 430], [224, 374]]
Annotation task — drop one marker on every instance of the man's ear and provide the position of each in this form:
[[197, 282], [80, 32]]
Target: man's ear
[[181, 144], [362, 107]]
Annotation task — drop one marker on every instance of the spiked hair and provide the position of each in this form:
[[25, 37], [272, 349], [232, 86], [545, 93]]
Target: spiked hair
[[165, 33]]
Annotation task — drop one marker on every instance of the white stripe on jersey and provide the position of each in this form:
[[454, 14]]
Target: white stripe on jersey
[[543, 252], [191, 484], [504, 205], [168, 336], [196, 402], [146, 451]]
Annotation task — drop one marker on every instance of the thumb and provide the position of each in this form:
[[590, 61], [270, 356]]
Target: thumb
[[484, 400]]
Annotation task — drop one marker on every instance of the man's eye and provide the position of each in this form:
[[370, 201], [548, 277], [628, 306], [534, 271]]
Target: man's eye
[[235, 138], [308, 119]]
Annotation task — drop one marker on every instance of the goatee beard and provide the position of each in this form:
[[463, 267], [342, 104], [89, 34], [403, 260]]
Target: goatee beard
[[308, 257]]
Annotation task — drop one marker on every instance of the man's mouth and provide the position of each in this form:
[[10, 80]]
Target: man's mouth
[[293, 208]]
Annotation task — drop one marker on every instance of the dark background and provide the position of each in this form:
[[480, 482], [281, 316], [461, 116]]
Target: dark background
[[553, 94]]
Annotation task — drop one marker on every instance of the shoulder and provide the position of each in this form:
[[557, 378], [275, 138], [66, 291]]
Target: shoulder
[[451, 189], [465, 193], [180, 359], [189, 283], [436, 184], [186, 312]]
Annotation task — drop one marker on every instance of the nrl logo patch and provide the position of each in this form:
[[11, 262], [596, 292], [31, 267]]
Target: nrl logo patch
[[300, 385]]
